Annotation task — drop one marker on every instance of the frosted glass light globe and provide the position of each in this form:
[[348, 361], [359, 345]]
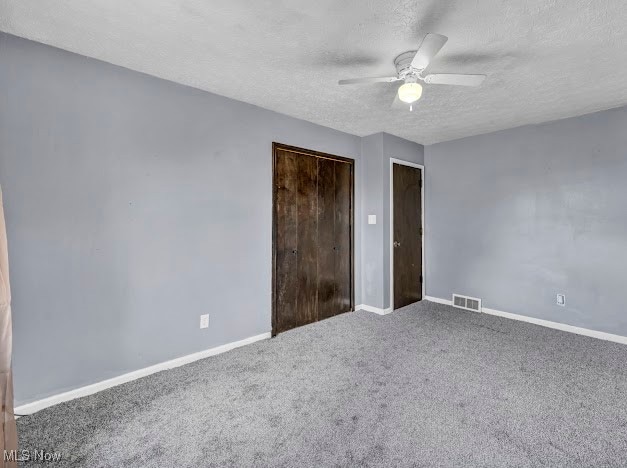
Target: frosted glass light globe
[[410, 92]]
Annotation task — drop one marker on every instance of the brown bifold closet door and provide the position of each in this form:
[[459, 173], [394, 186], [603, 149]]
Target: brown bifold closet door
[[334, 238], [312, 237], [407, 230], [296, 206]]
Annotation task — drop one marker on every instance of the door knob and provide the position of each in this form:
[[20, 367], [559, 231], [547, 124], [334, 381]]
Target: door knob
[[397, 244]]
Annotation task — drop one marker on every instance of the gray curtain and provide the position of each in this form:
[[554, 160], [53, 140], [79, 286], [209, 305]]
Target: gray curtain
[[8, 432]]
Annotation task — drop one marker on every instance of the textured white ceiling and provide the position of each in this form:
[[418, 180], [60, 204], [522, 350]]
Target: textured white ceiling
[[545, 59]]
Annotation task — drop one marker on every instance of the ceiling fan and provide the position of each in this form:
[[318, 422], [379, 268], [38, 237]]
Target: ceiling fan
[[410, 67]]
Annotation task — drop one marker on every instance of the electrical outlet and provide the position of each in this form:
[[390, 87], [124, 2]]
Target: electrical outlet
[[561, 300], [204, 321]]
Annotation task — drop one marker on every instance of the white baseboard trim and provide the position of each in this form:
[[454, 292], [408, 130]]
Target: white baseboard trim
[[544, 323], [30, 408], [438, 300], [375, 310]]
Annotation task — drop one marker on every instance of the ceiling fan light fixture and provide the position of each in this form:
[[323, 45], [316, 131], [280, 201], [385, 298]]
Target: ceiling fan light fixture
[[410, 66], [410, 92]]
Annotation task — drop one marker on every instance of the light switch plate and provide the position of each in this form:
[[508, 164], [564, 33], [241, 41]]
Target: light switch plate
[[372, 219], [204, 321], [561, 300]]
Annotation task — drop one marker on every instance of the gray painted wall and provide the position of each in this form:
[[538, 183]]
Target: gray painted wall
[[372, 234], [133, 206], [377, 150], [517, 216]]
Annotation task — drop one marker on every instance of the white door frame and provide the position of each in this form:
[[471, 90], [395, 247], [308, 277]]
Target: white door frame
[[422, 220]]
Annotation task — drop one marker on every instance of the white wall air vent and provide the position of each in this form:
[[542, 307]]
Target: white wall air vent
[[467, 303]]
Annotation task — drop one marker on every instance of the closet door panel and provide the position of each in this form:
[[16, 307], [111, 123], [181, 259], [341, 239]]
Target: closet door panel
[[343, 236], [286, 241], [307, 232], [327, 284]]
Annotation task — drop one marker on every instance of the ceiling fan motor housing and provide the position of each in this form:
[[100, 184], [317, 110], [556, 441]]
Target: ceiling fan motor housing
[[403, 65]]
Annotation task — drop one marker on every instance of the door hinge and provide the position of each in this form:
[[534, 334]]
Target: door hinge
[[421, 231], [421, 279]]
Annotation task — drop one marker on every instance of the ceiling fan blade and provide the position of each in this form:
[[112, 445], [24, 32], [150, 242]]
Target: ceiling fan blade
[[431, 45], [380, 79], [455, 79]]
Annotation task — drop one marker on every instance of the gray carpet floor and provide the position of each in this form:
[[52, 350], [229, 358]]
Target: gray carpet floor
[[427, 385]]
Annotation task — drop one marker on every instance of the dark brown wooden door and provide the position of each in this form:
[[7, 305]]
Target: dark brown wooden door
[[296, 240], [312, 232], [343, 233], [407, 239], [334, 238]]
